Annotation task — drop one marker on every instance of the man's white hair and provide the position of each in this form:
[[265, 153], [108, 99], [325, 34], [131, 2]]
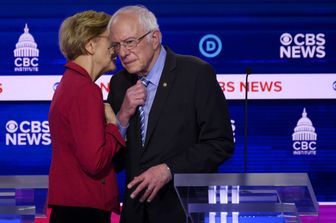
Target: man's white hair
[[146, 18]]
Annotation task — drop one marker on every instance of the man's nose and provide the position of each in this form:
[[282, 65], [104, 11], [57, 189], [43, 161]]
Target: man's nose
[[123, 51]]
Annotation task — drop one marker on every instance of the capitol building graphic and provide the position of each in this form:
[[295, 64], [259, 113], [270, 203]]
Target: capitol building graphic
[[26, 52], [304, 136]]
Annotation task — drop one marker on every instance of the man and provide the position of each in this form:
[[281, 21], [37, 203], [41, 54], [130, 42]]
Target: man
[[186, 125]]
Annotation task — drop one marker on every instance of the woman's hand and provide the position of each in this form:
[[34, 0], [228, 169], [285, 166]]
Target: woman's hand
[[109, 114]]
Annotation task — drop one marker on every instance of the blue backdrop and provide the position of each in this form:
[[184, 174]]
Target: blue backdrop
[[231, 35]]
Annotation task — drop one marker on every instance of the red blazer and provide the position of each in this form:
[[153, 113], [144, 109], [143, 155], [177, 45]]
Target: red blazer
[[81, 171]]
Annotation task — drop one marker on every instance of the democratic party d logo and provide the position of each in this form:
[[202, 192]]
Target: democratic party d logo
[[210, 45]]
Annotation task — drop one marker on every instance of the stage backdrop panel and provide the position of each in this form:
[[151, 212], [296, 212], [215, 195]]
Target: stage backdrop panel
[[288, 47]]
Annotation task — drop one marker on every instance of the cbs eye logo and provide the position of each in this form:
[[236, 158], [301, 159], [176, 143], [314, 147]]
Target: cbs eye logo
[[11, 126], [210, 45], [286, 39]]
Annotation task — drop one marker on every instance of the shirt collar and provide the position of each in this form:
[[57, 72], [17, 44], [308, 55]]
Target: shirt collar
[[155, 73]]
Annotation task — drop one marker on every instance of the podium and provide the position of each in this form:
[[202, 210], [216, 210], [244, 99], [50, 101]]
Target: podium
[[22, 198], [246, 197]]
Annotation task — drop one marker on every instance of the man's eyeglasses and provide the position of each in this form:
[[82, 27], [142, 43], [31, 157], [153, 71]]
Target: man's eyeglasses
[[111, 48], [129, 43]]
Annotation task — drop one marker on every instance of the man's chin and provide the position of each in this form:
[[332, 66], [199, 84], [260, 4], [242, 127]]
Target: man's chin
[[132, 69]]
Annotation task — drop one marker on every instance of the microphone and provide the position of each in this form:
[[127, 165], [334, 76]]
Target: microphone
[[248, 71]]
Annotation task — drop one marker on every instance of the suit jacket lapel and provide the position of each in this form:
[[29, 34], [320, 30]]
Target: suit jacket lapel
[[165, 85]]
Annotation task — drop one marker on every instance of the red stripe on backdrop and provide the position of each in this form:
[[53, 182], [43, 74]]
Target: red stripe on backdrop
[[327, 215]]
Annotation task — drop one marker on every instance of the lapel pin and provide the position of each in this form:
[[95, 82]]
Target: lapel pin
[[165, 84]]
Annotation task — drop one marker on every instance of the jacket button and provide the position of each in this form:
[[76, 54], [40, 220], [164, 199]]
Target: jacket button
[[103, 181]]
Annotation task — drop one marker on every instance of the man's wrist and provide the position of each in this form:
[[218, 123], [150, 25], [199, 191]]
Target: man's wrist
[[122, 120], [168, 171], [122, 128]]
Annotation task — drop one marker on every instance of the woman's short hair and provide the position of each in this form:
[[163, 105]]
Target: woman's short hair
[[78, 30]]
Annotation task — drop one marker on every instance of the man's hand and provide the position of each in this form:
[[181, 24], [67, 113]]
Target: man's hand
[[135, 96], [152, 180]]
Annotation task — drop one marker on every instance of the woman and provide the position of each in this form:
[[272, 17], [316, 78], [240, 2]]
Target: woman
[[82, 180]]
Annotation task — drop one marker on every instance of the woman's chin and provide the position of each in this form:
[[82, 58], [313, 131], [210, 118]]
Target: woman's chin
[[112, 67]]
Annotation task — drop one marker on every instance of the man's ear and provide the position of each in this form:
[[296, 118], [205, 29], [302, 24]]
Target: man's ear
[[156, 36], [90, 47]]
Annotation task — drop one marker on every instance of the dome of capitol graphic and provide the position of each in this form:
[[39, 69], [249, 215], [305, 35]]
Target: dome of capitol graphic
[[26, 36], [26, 46], [304, 129]]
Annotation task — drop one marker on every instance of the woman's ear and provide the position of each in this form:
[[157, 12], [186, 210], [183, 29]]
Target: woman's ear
[[90, 47]]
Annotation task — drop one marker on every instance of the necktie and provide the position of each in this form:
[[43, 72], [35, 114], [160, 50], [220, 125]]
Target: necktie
[[142, 114]]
